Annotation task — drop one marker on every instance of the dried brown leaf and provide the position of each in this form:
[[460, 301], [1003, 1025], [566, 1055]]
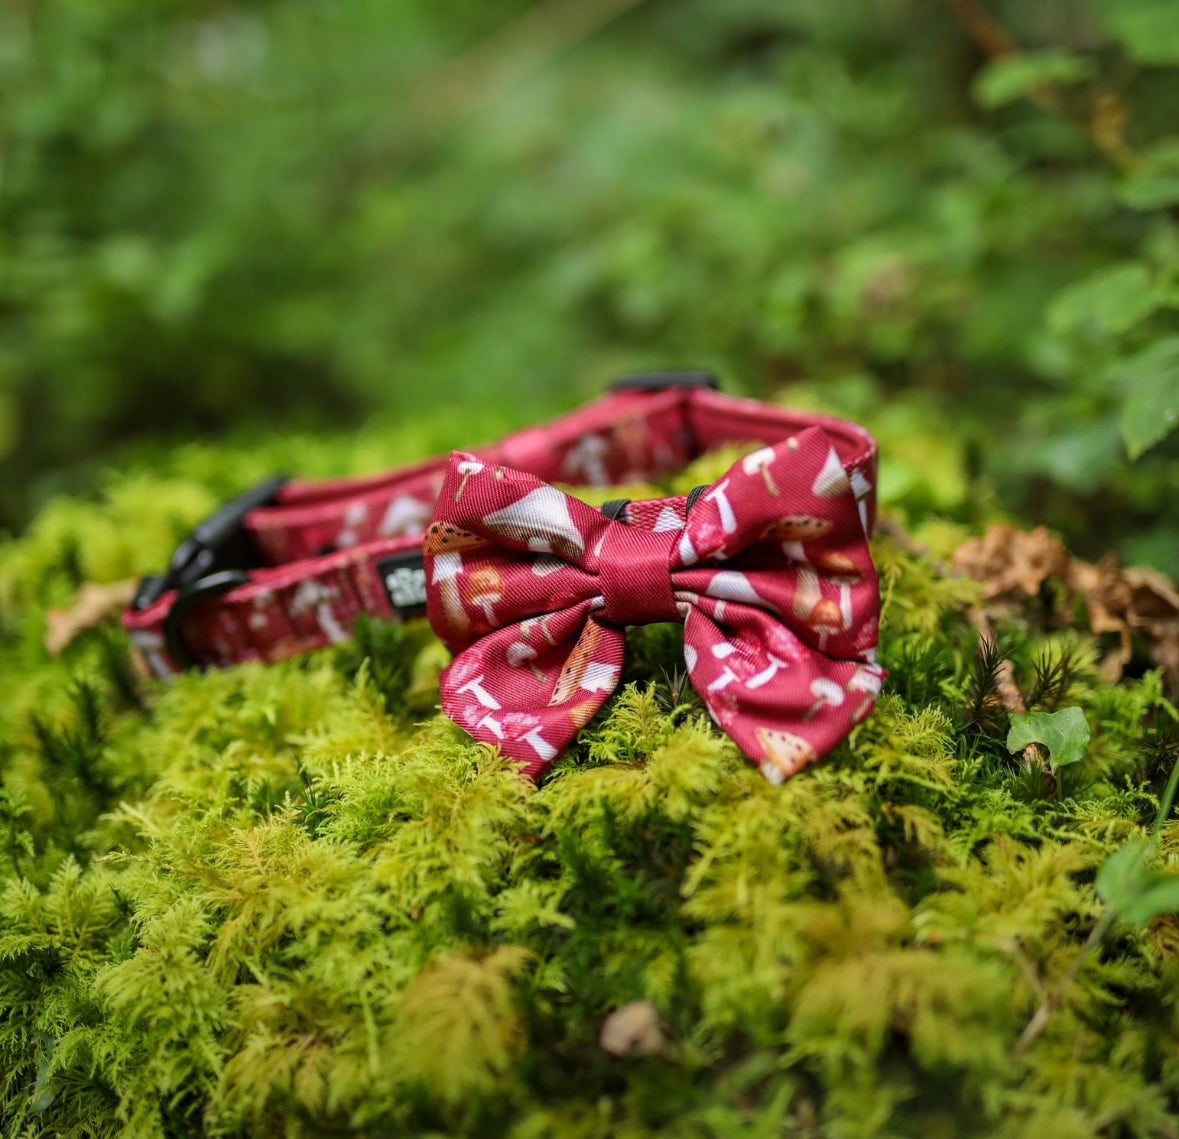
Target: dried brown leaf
[[92, 604], [1008, 560], [1012, 564]]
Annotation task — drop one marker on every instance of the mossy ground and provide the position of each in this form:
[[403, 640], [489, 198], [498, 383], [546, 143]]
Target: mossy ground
[[294, 900]]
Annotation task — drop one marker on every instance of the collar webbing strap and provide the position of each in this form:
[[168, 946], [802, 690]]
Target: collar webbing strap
[[292, 564]]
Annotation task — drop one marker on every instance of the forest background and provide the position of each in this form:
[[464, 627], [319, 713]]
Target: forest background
[[955, 222]]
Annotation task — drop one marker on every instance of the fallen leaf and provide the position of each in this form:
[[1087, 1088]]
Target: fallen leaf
[[633, 1030], [1006, 559], [1013, 565], [92, 604]]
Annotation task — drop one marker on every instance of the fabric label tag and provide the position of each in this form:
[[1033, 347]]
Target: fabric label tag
[[404, 579]]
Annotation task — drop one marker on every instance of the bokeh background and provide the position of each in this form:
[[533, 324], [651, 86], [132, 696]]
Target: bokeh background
[[955, 221]]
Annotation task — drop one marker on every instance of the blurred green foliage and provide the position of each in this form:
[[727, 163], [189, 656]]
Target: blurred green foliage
[[959, 221]]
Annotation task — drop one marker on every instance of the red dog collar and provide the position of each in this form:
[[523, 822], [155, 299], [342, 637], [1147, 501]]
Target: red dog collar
[[291, 564]]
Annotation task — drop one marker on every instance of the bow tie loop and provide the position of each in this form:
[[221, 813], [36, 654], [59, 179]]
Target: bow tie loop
[[634, 571]]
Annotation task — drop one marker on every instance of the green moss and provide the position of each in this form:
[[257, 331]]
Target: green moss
[[294, 899]]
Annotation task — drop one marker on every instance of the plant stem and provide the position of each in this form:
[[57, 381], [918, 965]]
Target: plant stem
[[1040, 1018]]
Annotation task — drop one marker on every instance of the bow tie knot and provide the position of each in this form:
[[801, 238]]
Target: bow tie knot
[[634, 570]]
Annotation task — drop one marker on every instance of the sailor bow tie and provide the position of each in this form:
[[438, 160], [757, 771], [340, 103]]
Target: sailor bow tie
[[768, 569]]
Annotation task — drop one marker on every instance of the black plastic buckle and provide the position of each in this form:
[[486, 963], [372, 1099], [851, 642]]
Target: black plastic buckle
[[186, 597], [216, 545], [659, 381]]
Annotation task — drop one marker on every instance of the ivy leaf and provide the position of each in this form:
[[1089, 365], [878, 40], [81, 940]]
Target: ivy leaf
[[1112, 300], [1154, 182], [1010, 77], [1151, 410], [1148, 30], [1065, 734], [1132, 889]]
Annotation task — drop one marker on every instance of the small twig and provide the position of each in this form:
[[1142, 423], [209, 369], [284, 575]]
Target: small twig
[[1049, 1005], [992, 39]]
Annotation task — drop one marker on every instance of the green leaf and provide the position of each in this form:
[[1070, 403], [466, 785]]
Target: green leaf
[[1010, 77], [1151, 410], [1120, 872], [1154, 182], [1065, 734], [1132, 889], [1111, 300], [1148, 30], [1155, 894]]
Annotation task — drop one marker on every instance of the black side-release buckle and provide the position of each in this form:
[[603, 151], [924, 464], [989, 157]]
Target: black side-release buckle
[[658, 381], [216, 545]]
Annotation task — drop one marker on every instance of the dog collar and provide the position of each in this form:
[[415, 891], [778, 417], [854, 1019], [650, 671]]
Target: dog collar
[[291, 565]]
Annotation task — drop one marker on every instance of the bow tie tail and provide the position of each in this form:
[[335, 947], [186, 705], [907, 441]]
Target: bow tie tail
[[530, 694]]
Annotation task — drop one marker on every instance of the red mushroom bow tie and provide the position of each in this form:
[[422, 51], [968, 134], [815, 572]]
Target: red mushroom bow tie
[[768, 569]]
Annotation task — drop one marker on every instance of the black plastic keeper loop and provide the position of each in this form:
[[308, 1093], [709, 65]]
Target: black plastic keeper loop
[[186, 598]]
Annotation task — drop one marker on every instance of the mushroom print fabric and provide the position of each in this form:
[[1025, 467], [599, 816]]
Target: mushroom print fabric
[[768, 569]]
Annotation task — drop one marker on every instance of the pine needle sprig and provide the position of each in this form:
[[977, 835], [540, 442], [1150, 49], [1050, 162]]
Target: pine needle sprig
[[983, 707], [1053, 677]]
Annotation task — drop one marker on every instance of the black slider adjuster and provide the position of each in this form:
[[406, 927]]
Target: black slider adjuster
[[660, 381]]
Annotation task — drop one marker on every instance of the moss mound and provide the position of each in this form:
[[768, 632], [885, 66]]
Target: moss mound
[[295, 900]]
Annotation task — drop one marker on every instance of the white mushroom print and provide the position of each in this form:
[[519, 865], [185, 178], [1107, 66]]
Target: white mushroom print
[[840, 570], [862, 489], [734, 586], [668, 520], [584, 460], [759, 463], [827, 620], [475, 687], [795, 529], [531, 624], [354, 517], [540, 520], [865, 679], [466, 468], [447, 568], [806, 593], [523, 653], [526, 727], [819, 612], [776, 663], [404, 515], [786, 753], [721, 651], [315, 595], [443, 542], [579, 670], [484, 587], [727, 517], [832, 479], [827, 694]]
